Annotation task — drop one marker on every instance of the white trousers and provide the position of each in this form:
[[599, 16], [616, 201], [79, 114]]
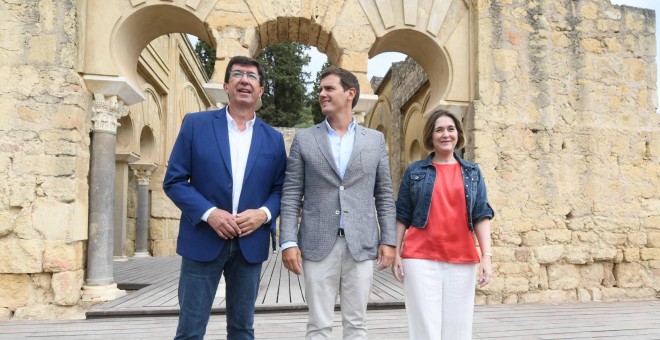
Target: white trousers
[[337, 273], [439, 299]]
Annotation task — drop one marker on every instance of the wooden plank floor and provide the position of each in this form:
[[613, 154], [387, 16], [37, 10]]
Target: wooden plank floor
[[604, 320], [155, 281]]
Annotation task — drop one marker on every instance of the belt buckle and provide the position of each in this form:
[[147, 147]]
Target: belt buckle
[[340, 232]]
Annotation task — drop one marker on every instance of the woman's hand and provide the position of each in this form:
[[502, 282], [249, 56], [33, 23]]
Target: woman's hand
[[397, 268], [485, 271]]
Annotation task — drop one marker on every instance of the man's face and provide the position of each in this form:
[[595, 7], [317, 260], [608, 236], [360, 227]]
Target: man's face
[[243, 87], [333, 98]]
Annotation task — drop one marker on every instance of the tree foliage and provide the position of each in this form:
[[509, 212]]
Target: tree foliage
[[285, 97], [206, 55]]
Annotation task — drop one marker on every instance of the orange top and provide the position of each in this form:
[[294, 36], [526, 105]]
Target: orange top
[[446, 237]]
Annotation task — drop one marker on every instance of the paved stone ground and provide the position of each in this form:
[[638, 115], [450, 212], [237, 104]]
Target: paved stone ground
[[605, 320]]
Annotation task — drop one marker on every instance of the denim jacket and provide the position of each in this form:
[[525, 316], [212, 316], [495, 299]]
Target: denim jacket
[[414, 201]]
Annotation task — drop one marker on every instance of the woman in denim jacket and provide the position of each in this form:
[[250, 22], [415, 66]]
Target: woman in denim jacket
[[443, 198]]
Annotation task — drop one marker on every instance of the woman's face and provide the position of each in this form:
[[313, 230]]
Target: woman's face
[[445, 135]]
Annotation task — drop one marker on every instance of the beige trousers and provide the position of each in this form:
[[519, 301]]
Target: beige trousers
[[337, 274]]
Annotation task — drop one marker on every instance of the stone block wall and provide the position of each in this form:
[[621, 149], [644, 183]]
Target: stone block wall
[[164, 220], [566, 131], [44, 161]]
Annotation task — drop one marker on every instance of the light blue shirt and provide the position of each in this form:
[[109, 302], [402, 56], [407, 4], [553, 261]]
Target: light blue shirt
[[342, 148]]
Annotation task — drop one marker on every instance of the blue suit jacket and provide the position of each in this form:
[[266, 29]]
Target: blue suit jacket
[[199, 177]]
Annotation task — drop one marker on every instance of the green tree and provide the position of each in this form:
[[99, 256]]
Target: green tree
[[285, 98], [206, 55], [306, 119], [313, 101]]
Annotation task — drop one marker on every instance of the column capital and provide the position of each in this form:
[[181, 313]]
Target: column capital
[[365, 103], [217, 94], [143, 171], [106, 111]]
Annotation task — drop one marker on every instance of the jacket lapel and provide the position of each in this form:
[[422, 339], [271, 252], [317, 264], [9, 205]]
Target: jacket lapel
[[255, 147], [222, 137], [321, 135], [358, 145]]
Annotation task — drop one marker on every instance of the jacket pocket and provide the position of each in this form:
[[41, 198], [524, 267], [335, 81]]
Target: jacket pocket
[[416, 186]]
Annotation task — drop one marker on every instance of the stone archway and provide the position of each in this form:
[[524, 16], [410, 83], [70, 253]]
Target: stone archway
[[436, 33], [439, 37], [119, 31], [114, 36]]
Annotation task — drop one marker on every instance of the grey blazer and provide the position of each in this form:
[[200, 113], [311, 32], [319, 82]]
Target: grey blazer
[[365, 195]]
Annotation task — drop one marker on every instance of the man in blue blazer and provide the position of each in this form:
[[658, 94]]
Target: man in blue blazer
[[225, 173]]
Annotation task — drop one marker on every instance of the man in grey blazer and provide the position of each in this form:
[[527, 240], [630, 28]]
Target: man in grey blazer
[[340, 169]]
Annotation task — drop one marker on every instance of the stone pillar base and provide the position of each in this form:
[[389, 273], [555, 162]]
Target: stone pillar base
[[122, 258], [101, 293], [142, 254]]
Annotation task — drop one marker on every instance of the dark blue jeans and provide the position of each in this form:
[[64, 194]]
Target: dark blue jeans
[[197, 287]]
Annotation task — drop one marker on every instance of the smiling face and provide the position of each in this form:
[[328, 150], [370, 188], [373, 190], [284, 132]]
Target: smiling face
[[333, 98], [445, 135], [243, 91]]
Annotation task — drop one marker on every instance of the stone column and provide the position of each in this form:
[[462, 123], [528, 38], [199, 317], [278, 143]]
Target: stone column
[[143, 173], [100, 285], [364, 105], [121, 192]]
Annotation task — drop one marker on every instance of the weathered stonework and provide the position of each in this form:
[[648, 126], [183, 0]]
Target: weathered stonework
[[558, 99], [564, 128], [586, 139]]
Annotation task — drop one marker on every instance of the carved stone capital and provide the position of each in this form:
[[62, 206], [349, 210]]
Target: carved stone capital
[[106, 111], [143, 171], [143, 176]]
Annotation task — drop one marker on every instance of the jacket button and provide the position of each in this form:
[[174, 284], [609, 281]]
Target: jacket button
[[341, 187], [337, 212]]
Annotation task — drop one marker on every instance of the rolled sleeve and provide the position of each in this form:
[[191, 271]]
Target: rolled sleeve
[[482, 208]]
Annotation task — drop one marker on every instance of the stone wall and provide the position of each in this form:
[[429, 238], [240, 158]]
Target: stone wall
[[563, 124], [407, 79], [566, 132], [44, 161]]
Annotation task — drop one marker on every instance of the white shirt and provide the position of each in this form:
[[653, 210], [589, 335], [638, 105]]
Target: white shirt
[[239, 149]]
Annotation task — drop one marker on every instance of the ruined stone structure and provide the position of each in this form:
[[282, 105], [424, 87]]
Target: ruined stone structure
[[558, 96], [564, 125]]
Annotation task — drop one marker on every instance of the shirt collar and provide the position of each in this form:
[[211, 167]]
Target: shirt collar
[[232, 123], [351, 126]]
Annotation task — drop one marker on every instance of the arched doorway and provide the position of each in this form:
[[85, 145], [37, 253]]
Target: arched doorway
[[437, 34]]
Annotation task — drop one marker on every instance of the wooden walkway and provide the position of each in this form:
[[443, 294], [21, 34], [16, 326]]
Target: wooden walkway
[[605, 320], [149, 312], [155, 282]]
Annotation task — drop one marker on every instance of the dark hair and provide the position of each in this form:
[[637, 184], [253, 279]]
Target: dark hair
[[348, 80], [430, 126], [243, 60]]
